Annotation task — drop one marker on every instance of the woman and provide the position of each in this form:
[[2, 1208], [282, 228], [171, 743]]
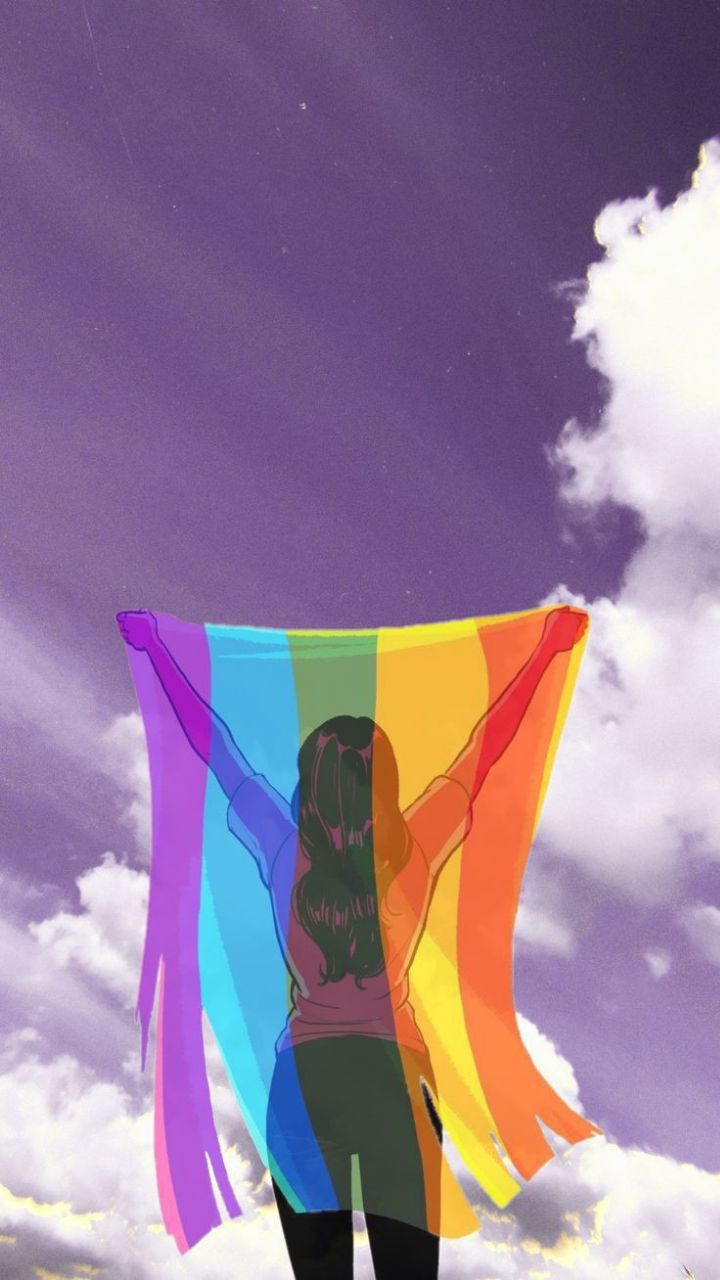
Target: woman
[[350, 878]]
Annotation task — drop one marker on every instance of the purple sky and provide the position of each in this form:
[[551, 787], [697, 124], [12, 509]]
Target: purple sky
[[282, 342]]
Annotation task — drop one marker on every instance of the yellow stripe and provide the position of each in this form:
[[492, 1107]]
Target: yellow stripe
[[428, 700]]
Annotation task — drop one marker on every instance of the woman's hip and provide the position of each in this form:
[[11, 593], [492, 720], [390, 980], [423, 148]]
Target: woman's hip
[[350, 1090], [337, 1097]]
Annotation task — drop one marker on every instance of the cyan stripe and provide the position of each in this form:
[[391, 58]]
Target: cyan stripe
[[244, 979]]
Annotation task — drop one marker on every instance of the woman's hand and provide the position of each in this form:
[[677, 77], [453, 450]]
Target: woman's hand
[[563, 628], [138, 628]]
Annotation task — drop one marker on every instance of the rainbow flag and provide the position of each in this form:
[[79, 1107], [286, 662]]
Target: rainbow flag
[[219, 942]]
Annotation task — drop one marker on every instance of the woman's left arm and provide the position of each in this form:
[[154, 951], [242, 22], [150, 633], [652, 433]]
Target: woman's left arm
[[496, 729], [441, 816]]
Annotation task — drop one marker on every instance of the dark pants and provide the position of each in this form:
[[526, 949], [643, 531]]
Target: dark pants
[[320, 1245], [356, 1095]]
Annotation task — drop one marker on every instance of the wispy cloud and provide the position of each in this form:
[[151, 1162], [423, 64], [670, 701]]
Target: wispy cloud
[[702, 922], [58, 730], [658, 961]]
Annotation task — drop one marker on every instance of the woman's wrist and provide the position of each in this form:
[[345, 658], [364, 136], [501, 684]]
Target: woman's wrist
[[547, 648], [155, 647]]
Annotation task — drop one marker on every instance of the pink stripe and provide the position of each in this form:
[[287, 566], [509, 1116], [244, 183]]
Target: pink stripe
[[168, 1203]]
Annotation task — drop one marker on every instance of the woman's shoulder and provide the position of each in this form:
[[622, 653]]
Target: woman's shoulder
[[440, 808]]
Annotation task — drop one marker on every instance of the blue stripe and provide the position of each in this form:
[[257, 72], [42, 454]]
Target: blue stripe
[[244, 979]]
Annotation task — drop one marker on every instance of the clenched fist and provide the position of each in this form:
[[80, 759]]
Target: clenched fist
[[138, 628], [564, 627]]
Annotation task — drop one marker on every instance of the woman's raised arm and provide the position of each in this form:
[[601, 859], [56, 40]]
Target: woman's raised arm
[[496, 729], [439, 817], [206, 732]]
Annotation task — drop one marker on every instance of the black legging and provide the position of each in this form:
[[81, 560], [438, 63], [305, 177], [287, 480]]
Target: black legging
[[320, 1245], [356, 1096]]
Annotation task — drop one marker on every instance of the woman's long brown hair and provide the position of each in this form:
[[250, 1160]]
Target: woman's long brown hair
[[353, 834]]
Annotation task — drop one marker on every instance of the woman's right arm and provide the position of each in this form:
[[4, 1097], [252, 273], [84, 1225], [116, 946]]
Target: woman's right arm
[[257, 814], [207, 733]]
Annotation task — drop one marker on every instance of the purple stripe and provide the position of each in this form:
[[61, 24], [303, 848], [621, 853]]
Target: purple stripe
[[178, 779]]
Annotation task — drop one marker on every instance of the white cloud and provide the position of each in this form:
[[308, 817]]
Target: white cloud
[[556, 907], [62, 1007], [538, 931], [650, 320], [79, 1178], [123, 758], [702, 922], [658, 961], [103, 943], [78, 1163], [550, 911], [635, 783], [556, 1068], [80, 1189], [597, 1211], [105, 939]]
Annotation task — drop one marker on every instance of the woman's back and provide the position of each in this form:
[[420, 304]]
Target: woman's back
[[376, 1005]]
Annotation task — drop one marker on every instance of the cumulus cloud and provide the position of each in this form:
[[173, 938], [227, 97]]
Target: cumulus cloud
[[79, 1185], [63, 1010], [635, 786], [78, 1169], [103, 940], [599, 1210], [650, 319], [80, 1193]]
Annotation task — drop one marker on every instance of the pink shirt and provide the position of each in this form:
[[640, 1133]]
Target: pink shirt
[[437, 821]]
